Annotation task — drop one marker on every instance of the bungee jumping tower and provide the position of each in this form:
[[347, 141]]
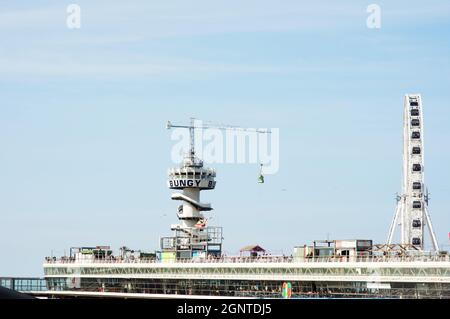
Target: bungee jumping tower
[[192, 237]]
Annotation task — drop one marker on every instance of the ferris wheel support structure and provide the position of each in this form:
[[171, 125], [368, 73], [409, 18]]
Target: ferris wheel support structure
[[412, 213]]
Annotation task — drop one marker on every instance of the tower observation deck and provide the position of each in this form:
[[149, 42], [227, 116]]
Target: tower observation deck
[[412, 205]]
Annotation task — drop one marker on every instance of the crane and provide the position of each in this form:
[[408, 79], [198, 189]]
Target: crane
[[192, 126]]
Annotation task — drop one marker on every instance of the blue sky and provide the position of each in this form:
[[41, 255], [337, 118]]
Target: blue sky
[[84, 150]]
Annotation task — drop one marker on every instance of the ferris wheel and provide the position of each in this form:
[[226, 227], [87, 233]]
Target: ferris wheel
[[412, 213]]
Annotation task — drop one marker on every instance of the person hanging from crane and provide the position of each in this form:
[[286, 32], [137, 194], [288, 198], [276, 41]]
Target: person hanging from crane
[[261, 176]]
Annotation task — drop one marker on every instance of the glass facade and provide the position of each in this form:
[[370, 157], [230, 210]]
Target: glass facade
[[255, 288], [243, 280]]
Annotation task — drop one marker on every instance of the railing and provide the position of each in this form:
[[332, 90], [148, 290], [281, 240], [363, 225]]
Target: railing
[[261, 259]]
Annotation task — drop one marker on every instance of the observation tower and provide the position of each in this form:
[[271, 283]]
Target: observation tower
[[192, 236]]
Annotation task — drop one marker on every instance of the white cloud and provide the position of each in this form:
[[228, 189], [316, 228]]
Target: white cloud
[[196, 17], [60, 66], [31, 19], [37, 42]]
